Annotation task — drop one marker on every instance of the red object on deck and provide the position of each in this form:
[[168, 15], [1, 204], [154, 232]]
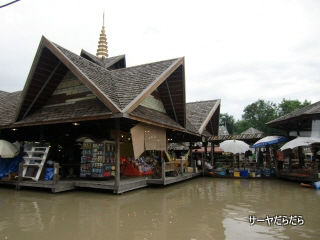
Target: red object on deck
[[129, 170]]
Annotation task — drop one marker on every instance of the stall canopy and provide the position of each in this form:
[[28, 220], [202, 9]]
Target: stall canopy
[[146, 137], [269, 140], [234, 146], [300, 142], [8, 150]]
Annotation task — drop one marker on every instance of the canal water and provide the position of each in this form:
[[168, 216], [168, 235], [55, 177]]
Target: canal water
[[203, 208]]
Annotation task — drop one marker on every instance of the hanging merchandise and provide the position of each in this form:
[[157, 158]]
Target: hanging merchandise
[[98, 159]]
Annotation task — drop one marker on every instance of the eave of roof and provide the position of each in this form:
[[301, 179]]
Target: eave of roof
[[307, 111], [199, 114], [105, 62]]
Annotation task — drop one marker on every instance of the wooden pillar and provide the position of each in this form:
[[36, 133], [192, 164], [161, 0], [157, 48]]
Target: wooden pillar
[[56, 167], [19, 175], [163, 168], [268, 160], [205, 156], [181, 167], [192, 162], [117, 138], [212, 153], [290, 159], [301, 158]]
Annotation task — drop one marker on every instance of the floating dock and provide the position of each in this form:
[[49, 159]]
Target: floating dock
[[126, 183]]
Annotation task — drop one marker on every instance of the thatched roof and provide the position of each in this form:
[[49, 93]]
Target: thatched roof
[[304, 115], [8, 106], [251, 131], [202, 117], [115, 89]]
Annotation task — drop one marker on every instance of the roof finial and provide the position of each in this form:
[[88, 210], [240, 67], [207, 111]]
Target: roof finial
[[102, 50], [103, 20]]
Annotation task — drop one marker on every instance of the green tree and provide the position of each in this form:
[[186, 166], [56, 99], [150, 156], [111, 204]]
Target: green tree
[[257, 114], [241, 125], [228, 121], [288, 106]]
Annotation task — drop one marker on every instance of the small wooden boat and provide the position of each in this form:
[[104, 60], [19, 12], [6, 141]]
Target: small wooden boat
[[307, 185]]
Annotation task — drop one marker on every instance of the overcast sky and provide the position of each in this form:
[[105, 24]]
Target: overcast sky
[[235, 50]]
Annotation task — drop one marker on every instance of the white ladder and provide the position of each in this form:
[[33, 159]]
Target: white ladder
[[34, 162]]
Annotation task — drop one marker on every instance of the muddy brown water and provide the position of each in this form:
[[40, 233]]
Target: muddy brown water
[[203, 208]]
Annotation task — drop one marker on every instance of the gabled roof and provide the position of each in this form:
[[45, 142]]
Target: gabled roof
[[251, 131], [103, 62], [200, 114], [119, 90], [305, 112], [135, 83], [8, 107]]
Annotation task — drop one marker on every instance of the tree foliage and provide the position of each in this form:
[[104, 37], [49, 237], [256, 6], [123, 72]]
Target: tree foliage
[[257, 114], [228, 121], [288, 106]]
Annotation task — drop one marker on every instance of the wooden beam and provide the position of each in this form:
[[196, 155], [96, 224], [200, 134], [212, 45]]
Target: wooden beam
[[50, 122], [173, 109], [117, 176], [154, 123], [41, 90], [211, 126], [204, 124]]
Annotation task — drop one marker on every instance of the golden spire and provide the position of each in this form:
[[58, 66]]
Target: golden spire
[[102, 50]]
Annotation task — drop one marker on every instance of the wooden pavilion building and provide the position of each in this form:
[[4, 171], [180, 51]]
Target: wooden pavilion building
[[68, 97], [304, 122]]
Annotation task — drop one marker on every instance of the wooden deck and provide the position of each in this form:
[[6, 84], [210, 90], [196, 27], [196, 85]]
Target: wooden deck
[[126, 184], [60, 186], [8, 182], [171, 180]]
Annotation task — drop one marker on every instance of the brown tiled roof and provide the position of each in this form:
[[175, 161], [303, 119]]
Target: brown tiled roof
[[81, 109], [131, 81], [100, 76], [103, 62], [197, 112], [8, 107], [155, 117], [310, 110], [120, 85], [251, 131]]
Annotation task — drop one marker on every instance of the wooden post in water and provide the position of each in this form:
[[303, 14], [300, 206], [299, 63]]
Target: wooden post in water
[[163, 168], [56, 167], [212, 152], [205, 157], [117, 175], [19, 175], [191, 158], [301, 158]]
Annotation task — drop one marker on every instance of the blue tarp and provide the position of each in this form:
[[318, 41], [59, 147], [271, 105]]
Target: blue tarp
[[49, 174], [273, 141], [8, 165]]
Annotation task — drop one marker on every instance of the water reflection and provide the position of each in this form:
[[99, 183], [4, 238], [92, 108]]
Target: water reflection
[[197, 209]]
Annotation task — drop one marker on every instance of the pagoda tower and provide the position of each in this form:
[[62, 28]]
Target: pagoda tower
[[102, 51]]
